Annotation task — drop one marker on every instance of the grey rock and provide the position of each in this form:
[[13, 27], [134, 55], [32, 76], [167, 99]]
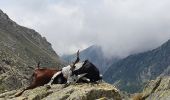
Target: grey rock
[[73, 92]]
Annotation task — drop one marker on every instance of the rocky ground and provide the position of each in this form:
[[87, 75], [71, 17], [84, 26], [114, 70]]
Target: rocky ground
[[81, 91], [158, 89]]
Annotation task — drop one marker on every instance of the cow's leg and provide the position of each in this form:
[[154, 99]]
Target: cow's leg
[[27, 88], [85, 79], [81, 75], [52, 79], [73, 79]]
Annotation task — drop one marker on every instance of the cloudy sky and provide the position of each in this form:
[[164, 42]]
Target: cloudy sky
[[121, 27]]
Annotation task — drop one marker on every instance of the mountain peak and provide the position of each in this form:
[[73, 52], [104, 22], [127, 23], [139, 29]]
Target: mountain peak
[[139, 68], [3, 15]]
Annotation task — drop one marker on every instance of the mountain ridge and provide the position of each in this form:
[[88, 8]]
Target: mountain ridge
[[133, 71], [21, 49]]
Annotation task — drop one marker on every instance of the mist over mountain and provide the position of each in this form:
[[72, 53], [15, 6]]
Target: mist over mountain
[[21, 49], [94, 54], [130, 73], [121, 27]]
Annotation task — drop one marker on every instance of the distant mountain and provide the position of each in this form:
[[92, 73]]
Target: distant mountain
[[20, 50], [94, 54], [131, 73]]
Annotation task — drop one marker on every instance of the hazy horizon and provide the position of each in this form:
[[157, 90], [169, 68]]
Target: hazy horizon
[[120, 27]]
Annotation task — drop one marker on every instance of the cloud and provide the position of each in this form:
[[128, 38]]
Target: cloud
[[121, 27]]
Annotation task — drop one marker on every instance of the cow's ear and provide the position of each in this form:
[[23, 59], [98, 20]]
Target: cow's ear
[[38, 65]]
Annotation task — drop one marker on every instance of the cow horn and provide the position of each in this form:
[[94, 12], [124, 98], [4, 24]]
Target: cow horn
[[77, 60]]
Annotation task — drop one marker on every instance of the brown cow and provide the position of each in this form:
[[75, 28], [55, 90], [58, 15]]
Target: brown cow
[[42, 76]]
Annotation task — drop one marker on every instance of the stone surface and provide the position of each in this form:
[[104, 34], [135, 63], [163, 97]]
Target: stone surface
[[158, 89], [81, 91]]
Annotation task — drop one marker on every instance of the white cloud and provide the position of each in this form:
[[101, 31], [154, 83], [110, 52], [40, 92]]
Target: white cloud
[[121, 27]]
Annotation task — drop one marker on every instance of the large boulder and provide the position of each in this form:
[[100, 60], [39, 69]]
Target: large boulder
[[158, 89]]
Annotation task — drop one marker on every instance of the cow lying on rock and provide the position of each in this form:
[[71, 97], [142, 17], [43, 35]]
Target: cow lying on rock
[[78, 71], [42, 76]]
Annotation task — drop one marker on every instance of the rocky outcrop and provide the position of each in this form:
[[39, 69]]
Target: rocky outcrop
[[158, 89], [81, 91]]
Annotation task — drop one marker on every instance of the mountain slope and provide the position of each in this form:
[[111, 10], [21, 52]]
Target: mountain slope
[[94, 54], [132, 72], [20, 50]]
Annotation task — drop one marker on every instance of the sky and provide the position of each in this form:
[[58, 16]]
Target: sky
[[120, 27]]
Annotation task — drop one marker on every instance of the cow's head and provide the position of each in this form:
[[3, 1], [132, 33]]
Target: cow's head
[[71, 78]]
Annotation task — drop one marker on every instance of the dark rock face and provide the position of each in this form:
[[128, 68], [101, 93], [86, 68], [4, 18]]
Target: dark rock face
[[20, 50], [131, 73]]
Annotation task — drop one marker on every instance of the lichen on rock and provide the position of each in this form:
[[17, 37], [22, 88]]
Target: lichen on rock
[[158, 89], [78, 91]]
